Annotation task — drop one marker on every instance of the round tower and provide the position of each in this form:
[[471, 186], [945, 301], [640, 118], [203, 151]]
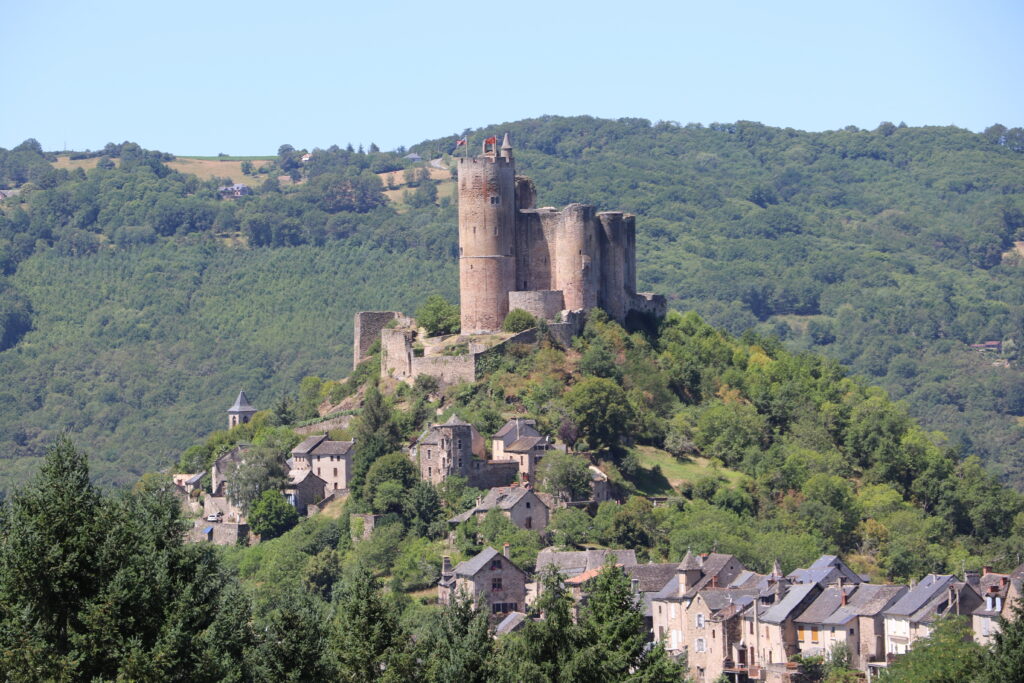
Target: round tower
[[241, 412], [486, 236]]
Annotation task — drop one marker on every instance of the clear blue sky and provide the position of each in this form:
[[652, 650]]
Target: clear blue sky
[[242, 78]]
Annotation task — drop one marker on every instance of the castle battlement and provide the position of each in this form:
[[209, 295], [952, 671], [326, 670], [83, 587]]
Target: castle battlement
[[585, 257]]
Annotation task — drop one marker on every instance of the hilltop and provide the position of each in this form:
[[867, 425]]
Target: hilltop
[[135, 302]]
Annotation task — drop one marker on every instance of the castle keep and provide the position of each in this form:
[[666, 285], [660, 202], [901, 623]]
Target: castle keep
[[555, 265], [514, 255]]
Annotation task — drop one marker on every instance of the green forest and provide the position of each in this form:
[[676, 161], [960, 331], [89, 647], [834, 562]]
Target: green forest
[[804, 460], [135, 301]]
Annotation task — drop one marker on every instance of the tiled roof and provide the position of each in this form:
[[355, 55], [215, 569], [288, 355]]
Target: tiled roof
[[516, 427], [511, 622], [824, 606], [689, 562], [573, 562], [455, 421], [333, 448], [866, 601]]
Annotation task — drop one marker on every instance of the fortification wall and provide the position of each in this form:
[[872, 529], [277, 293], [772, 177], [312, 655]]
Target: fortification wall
[[575, 254], [649, 304], [368, 325], [535, 246], [396, 353], [542, 304], [447, 369], [611, 279], [485, 282], [487, 474]]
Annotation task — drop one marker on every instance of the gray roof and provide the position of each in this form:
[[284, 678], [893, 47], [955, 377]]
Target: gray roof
[[195, 478], [868, 600], [524, 444], [824, 606], [826, 569], [652, 577], [719, 598], [689, 562], [500, 497], [308, 444], [516, 428], [455, 421], [473, 565], [241, 404], [512, 622], [797, 595], [573, 562], [920, 595]]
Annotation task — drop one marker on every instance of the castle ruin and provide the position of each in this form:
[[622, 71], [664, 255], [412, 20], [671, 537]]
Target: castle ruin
[[555, 265], [514, 255]]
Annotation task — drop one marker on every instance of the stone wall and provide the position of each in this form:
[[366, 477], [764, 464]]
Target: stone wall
[[368, 325], [340, 422], [396, 353], [488, 474], [447, 369], [542, 304]]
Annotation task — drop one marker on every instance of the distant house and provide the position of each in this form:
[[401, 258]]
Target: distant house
[[912, 616], [490, 580], [824, 571], [519, 441], [570, 563], [519, 503], [304, 489], [455, 448], [234, 191], [329, 460], [306, 157], [413, 156], [993, 346]]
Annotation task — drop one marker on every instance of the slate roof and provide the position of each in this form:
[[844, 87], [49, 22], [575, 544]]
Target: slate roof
[[718, 599], [513, 621], [824, 570], [824, 606], [920, 595], [689, 562], [195, 478], [500, 497], [519, 426], [573, 562], [652, 576], [473, 565], [524, 444], [455, 421], [868, 600], [241, 405], [296, 477], [308, 444], [794, 597]]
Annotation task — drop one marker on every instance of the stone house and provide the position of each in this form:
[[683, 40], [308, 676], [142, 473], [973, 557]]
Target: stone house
[[217, 502], [825, 571], [849, 614], [451, 449], [670, 603], [779, 636], [519, 441], [331, 461], [570, 563], [490, 580], [304, 489], [911, 617], [519, 503], [995, 590]]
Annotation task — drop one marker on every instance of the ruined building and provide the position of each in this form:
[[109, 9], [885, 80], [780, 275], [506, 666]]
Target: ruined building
[[514, 255]]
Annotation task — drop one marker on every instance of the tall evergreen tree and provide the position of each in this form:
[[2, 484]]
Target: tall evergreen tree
[[376, 434], [458, 647], [369, 643]]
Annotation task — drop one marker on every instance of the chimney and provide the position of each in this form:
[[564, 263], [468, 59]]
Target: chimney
[[635, 585], [972, 578], [714, 581], [986, 570], [842, 596], [504, 551], [1002, 581], [446, 565]]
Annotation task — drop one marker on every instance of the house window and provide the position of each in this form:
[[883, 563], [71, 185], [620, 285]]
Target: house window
[[495, 200], [527, 505], [458, 444], [496, 583], [750, 627], [428, 454], [495, 565], [699, 645], [700, 620], [814, 634], [429, 472]]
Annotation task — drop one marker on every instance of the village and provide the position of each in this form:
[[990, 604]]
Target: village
[[727, 619]]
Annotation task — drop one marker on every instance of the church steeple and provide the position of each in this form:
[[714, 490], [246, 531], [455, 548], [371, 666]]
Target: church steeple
[[241, 412]]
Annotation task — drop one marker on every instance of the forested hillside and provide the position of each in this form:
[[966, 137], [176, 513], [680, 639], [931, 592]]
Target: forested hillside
[[136, 302]]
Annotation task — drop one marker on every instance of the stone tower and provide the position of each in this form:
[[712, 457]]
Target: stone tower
[[241, 412], [487, 234]]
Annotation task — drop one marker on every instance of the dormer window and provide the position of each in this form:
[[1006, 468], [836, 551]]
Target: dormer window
[[988, 603]]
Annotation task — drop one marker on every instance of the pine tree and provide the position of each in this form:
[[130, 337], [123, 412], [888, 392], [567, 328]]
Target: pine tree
[[376, 434], [612, 620], [369, 641], [458, 647]]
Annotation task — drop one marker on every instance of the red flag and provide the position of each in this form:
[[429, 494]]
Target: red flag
[[460, 143], [493, 140]]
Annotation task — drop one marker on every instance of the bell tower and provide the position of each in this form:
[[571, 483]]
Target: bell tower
[[241, 412], [486, 236]]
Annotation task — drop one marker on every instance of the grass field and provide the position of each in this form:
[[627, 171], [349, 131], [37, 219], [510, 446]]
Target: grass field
[[214, 167], [660, 473], [445, 186], [71, 164]]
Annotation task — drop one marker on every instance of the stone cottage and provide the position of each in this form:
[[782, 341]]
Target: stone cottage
[[518, 503], [489, 580]]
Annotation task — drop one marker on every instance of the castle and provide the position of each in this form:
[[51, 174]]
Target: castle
[[555, 265], [514, 255]]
